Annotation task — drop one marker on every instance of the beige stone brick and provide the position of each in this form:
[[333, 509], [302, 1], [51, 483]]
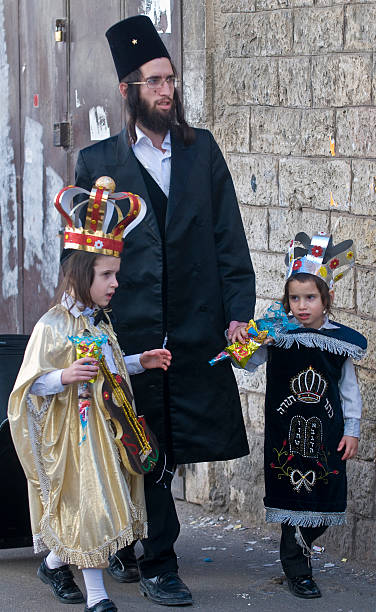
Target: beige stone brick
[[318, 30], [264, 33], [366, 292], [237, 6], [363, 199], [286, 131], [271, 5], [344, 292], [294, 81], [362, 231], [247, 81], [360, 30], [284, 224], [364, 539], [232, 131], [255, 179], [365, 327], [341, 80], [256, 420], [195, 87], [356, 132], [248, 382], [270, 275], [255, 221], [367, 386], [197, 483], [361, 487], [367, 448], [309, 182]]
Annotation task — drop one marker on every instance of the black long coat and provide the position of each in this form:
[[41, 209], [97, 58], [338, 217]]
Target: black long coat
[[210, 281]]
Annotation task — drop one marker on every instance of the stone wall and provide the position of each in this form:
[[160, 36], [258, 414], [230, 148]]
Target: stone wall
[[284, 84]]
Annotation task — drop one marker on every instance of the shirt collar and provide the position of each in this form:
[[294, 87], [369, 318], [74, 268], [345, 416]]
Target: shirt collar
[[142, 137], [326, 324], [76, 308]]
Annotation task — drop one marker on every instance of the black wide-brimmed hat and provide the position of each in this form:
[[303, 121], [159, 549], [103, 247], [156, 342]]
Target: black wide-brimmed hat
[[133, 42]]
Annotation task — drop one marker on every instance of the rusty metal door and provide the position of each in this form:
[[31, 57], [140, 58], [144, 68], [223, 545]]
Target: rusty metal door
[[61, 95]]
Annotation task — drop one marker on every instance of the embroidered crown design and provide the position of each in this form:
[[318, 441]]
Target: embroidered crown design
[[309, 386], [320, 257], [93, 235]]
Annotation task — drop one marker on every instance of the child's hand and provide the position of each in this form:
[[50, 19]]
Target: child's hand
[[83, 369], [350, 444], [237, 332], [157, 358]]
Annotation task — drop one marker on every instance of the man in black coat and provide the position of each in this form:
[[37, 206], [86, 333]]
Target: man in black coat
[[185, 276]]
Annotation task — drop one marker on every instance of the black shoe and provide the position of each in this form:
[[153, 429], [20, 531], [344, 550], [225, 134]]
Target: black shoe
[[304, 586], [61, 582], [123, 572], [105, 605], [166, 590]]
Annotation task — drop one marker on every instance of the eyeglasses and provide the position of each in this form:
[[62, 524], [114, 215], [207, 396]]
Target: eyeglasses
[[157, 82]]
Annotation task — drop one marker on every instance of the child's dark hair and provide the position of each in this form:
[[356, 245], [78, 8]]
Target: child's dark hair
[[303, 277], [78, 270]]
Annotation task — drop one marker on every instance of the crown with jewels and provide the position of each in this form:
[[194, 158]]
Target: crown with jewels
[[320, 257], [93, 235], [309, 386]]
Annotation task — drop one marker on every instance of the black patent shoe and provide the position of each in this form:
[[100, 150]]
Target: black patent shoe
[[167, 590], [61, 582], [105, 605], [123, 572], [304, 586]]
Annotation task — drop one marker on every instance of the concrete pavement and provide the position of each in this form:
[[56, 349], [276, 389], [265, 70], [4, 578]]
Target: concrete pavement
[[227, 566]]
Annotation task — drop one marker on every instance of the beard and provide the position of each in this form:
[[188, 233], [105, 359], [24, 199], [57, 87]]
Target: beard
[[155, 120]]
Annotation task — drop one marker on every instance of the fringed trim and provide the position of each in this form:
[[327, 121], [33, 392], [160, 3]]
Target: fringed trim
[[46, 540], [333, 345], [303, 518], [34, 420]]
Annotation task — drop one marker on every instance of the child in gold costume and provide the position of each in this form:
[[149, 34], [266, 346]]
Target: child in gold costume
[[86, 499]]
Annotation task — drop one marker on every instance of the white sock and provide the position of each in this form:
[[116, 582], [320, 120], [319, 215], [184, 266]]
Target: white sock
[[53, 561], [94, 586]]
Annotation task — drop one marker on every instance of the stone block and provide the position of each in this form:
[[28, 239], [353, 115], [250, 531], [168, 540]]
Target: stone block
[[365, 327], [339, 540], [356, 132], [250, 34], [255, 418], [360, 28], [197, 482], [309, 182], [193, 24], [367, 386], [285, 131], [244, 81], [255, 382], [294, 81], [237, 6], [246, 478], [270, 275], [365, 539], [232, 131], [271, 5], [195, 87], [367, 448], [344, 292], [366, 292], [361, 488], [285, 223], [255, 221], [341, 80], [363, 199], [318, 30], [362, 230], [255, 178]]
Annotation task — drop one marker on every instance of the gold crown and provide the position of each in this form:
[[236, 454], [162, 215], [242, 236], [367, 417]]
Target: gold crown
[[320, 257], [309, 386], [93, 235]]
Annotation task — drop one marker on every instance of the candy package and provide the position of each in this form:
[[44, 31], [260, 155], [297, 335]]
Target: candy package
[[89, 346], [240, 353]]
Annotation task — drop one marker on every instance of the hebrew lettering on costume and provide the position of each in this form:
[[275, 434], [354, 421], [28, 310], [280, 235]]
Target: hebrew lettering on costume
[[305, 436]]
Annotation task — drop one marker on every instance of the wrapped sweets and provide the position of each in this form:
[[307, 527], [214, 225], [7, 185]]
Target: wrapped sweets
[[240, 353], [89, 346]]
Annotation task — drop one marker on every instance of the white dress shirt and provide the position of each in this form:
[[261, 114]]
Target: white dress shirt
[[351, 400], [50, 383], [156, 162]]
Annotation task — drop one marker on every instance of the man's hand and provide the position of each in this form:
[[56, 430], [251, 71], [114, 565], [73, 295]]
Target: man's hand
[[157, 358], [237, 332], [83, 369], [350, 444]]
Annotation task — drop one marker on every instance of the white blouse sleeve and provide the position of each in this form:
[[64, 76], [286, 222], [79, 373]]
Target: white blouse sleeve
[[350, 399]]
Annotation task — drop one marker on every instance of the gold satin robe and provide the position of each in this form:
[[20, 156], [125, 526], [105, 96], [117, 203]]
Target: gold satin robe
[[84, 503]]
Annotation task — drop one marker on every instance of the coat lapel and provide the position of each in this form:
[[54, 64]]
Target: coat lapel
[[181, 162], [124, 169]]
